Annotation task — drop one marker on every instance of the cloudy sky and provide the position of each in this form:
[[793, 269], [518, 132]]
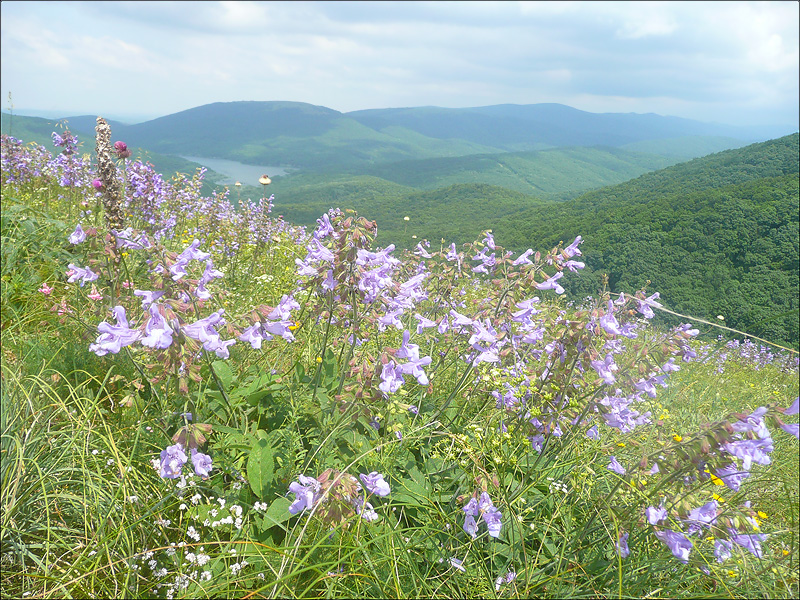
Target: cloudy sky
[[729, 62]]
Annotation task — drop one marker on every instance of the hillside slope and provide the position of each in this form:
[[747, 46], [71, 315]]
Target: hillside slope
[[716, 236]]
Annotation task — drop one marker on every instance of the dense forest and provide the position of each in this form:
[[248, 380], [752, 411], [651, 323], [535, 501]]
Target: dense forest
[[715, 236]]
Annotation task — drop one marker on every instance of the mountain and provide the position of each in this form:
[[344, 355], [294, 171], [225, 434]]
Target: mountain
[[313, 137], [717, 235], [286, 134]]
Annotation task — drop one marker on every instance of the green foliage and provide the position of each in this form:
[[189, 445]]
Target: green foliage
[[85, 512], [715, 236]]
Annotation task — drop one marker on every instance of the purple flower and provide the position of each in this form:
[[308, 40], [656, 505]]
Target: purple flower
[[551, 284], [172, 460], [574, 265], [324, 227], [732, 476], [792, 428], [722, 549], [192, 252], [523, 258], [284, 309], [751, 451], [83, 274], [97, 184], [279, 328], [572, 249], [605, 368], [375, 484], [391, 378], [703, 516], [615, 466], [203, 330], [794, 408], [406, 349], [306, 493], [414, 368], [159, 333], [329, 283], [654, 515], [420, 251], [609, 322], [593, 434], [125, 239], [678, 543], [751, 542], [483, 508], [458, 564], [753, 422], [622, 545], [365, 509], [644, 306], [423, 323], [318, 252], [201, 462], [77, 236], [148, 297], [113, 338]]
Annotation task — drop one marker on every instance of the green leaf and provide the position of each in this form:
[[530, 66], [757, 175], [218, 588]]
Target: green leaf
[[260, 467], [278, 512], [224, 373]]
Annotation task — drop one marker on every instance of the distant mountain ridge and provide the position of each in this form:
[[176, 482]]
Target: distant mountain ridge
[[314, 137]]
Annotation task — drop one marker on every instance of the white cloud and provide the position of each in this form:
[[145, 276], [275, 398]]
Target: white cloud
[[725, 59]]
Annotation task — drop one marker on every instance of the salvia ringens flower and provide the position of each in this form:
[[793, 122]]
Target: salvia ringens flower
[[78, 236], [375, 484], [621, 545], [483, 508], [677, 542]]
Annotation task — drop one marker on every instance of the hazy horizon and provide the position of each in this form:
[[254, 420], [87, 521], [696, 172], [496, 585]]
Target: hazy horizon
[[732, 63]]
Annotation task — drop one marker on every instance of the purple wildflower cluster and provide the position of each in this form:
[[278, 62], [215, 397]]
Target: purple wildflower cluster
[[485, 509], [335, 496], [746, 353], [174, 457], [746, 439]]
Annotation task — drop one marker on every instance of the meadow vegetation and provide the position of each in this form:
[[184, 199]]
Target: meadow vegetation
[[202, 400]]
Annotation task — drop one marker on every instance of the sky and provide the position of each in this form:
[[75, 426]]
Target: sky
[[724, 62]]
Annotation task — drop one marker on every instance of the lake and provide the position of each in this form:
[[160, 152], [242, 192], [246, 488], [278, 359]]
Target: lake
[[236, 171]]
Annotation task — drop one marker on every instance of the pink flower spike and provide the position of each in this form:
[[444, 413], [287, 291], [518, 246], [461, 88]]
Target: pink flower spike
[[46, 289], [94, 294]]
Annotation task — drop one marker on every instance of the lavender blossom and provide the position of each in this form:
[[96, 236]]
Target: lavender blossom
[[159, 333], [485, 509], [621, 545], [77, 236], [551, 284], [615, 466], [85, 275], [375, 484], [307, 493], [655, 515], [678, 543], [172, 460], [114, 337], [202, 463]]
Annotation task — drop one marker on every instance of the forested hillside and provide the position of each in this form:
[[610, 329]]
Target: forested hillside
[[716, 236]]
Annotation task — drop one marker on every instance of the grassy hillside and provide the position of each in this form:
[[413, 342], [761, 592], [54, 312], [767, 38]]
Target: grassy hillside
[[685, 147], [716, 236], [557, 171]]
